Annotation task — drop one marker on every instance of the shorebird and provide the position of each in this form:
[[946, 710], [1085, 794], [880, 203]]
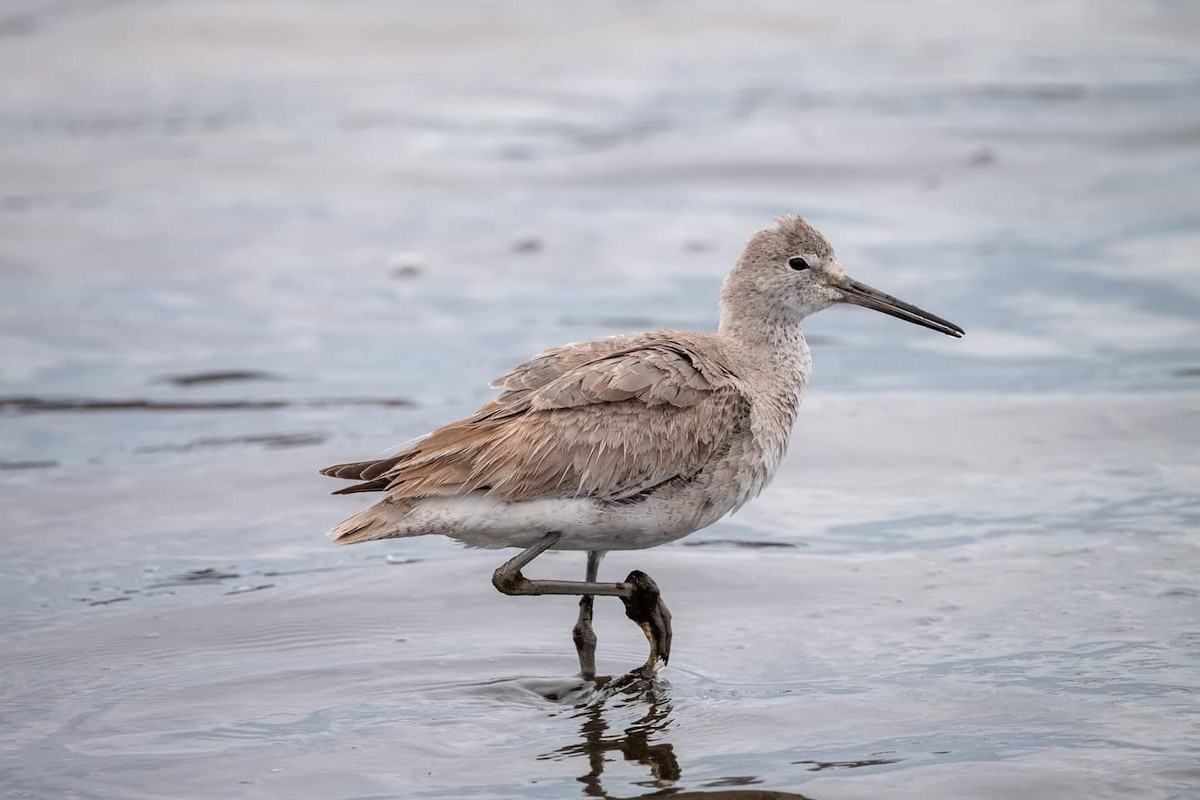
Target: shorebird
[[626, 442]]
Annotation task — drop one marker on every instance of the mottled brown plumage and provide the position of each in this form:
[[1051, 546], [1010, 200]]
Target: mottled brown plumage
[[577, 421]]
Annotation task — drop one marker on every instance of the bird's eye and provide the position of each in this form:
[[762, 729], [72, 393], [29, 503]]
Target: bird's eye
[[798, 263]]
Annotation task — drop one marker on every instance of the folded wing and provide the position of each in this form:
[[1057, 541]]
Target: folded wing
[[608, 419]]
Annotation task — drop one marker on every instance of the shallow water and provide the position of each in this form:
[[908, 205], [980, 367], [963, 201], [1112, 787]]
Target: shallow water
[[241, 241]]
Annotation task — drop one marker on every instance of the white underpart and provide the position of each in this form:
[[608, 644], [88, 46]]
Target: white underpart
[[479, 520]]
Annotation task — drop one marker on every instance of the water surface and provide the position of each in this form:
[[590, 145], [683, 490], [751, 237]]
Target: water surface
[[242, 241]]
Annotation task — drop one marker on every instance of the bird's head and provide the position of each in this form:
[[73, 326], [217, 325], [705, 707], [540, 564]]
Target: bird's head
[[792, 268]]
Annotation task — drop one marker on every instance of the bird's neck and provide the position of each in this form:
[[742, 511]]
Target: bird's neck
[[766, 340], [765, 348]]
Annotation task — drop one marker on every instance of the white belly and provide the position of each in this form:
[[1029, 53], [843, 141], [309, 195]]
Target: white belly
[[482, 521]]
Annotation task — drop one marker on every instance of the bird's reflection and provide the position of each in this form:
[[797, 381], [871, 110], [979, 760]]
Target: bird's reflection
[[638, 742], [642, 741]]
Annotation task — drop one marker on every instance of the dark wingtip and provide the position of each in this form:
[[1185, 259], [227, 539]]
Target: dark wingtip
[[377, 485]]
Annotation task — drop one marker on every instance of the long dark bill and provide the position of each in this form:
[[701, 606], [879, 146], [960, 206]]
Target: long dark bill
[[862, 295]]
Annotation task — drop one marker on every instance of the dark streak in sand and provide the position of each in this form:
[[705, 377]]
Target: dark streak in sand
[[40, 405], [733, 780], [274, 573], [229, 376], [406, 272], [19, 465], [108, 602], [271, 440], [196, 577], [817, 766]]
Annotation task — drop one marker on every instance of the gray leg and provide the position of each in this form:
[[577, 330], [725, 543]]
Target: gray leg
[[509, 580], [638, 592], [585, 637]]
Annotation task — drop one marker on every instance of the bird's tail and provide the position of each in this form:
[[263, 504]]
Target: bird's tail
[[384, 520]]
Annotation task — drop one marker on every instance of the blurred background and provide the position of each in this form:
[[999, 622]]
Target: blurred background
[[242, 240]]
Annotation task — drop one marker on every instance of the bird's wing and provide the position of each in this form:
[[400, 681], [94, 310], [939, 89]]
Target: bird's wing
[[556, 362], [515, 386], [609, 428]]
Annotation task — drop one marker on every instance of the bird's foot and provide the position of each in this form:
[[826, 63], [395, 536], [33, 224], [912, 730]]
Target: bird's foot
[[645, 606]]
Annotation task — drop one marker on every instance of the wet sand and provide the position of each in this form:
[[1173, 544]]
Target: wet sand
[[239, 242]]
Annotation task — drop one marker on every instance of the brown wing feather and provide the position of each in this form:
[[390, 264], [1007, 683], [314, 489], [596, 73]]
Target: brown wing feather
[[613, 424], [579, 452], [556, 362], [362, 470], [377, 485], [515, 385]]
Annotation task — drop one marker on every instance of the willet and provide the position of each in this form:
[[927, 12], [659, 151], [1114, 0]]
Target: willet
[[626, 442]]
